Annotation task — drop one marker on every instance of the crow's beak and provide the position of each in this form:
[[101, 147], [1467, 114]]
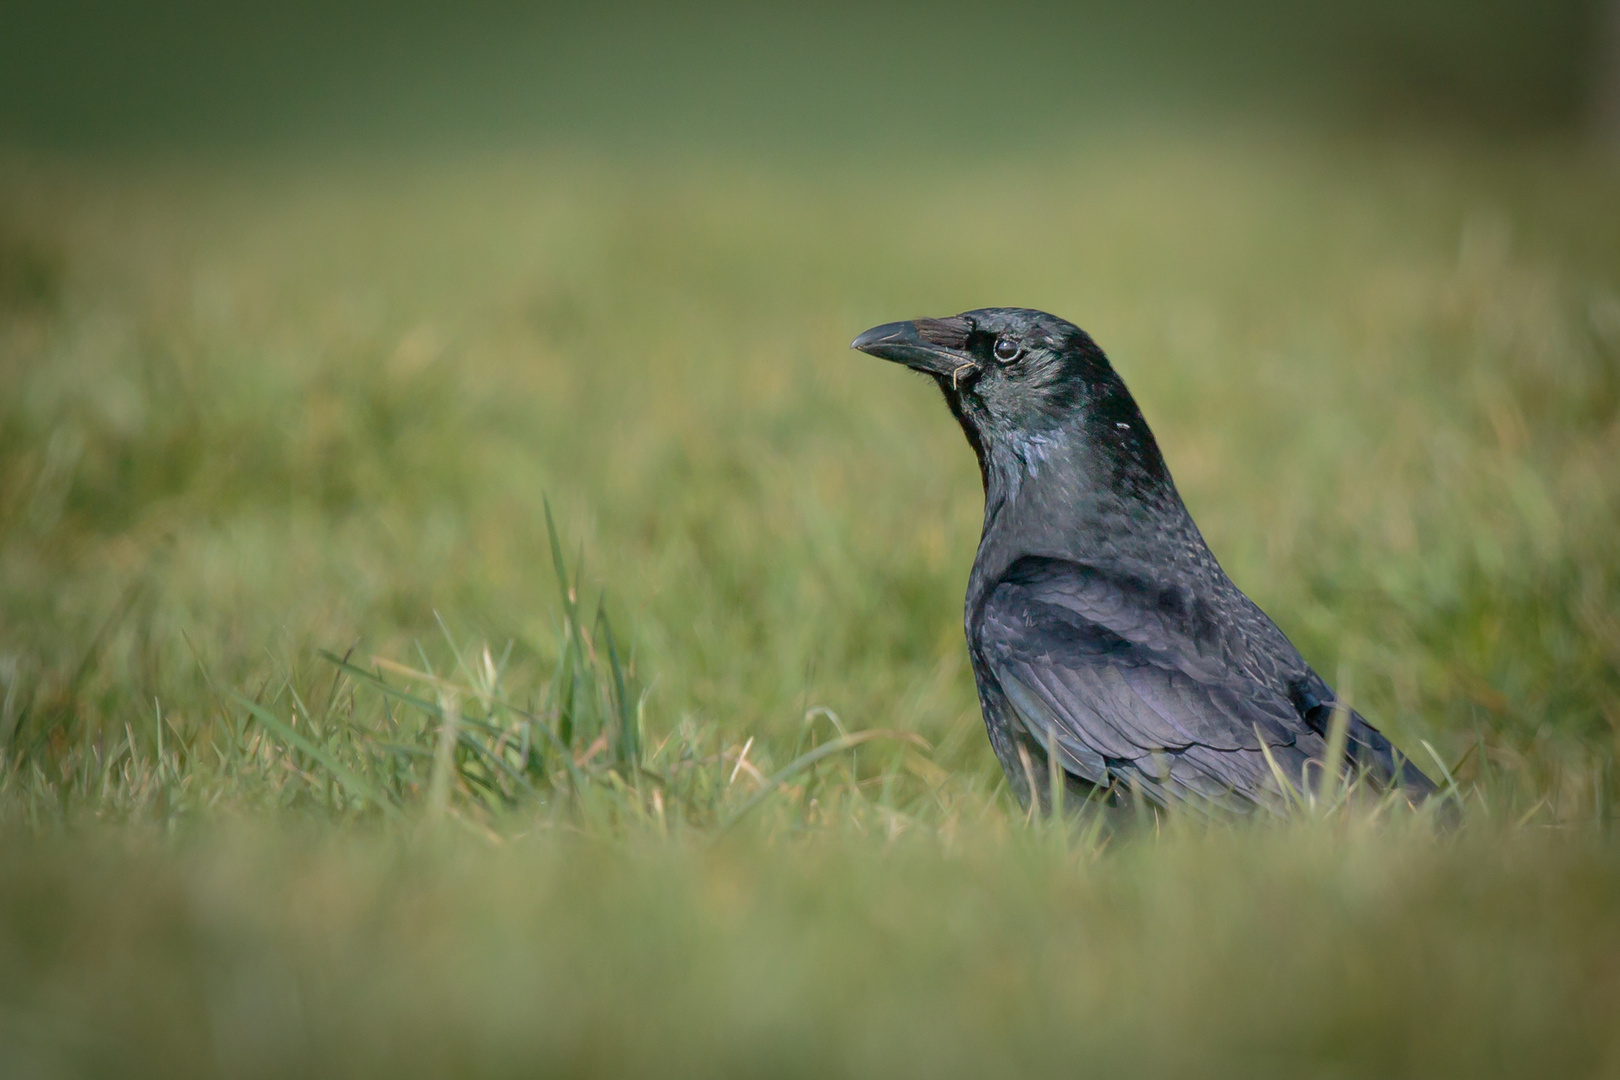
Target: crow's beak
[[935, 346]]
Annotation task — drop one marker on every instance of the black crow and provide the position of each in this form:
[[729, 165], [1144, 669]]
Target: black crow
[[1098, 622]]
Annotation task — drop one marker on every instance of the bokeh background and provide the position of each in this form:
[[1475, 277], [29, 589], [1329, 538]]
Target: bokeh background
[[308, 313], [715, 77]]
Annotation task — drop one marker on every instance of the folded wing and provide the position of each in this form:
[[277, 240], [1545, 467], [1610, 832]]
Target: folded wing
[[1132, 685]]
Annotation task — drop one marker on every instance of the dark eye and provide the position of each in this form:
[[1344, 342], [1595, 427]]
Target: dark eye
[[1007, 350]]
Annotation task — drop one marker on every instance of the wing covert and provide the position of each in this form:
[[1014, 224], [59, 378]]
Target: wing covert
[[1133, 687]]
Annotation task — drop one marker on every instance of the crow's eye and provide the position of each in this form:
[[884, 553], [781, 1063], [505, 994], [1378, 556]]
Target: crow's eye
[[1007, 350]]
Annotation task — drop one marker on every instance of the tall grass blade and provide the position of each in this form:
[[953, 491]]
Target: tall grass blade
[[628, 743], [558, 562], [1291, 796], [1453, 789], [1333, 763], [1054, 776]]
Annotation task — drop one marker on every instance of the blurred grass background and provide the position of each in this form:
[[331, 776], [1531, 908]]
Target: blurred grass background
[[307, 311]]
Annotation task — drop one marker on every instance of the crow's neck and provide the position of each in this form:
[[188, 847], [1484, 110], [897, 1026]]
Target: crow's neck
[[1088, 490]]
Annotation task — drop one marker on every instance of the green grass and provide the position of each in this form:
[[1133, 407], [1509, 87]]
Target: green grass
[[615, 804]]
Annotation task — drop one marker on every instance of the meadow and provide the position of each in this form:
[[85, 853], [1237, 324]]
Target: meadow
[[469, 613]]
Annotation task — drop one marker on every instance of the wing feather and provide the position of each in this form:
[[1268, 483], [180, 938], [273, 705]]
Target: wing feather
[[1125, 687]]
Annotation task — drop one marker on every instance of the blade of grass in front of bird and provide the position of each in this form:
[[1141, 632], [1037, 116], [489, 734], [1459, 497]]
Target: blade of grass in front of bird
[[1291, 796], [1054, 778], [1453, 791], [1029, 781], [1333, 755]]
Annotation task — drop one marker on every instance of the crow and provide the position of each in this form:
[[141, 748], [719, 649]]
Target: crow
[[1100, 627]]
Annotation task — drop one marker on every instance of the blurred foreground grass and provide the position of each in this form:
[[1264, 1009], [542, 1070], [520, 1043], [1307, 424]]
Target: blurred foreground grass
[[1286, 952], [251, 413]]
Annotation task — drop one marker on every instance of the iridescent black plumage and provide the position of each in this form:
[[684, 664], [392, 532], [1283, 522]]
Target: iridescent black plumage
[[1097, 620]]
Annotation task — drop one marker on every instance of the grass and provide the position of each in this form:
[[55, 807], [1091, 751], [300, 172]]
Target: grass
[[1288, 952], [327, 753]]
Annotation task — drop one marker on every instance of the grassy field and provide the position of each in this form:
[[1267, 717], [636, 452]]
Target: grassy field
[[315, 764]]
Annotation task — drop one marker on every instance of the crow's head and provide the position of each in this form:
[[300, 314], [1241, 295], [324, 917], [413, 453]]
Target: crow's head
[[1017, 378]]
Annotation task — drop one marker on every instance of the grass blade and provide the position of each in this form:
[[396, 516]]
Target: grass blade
[[356, 786], [1333, 756], [535, 723], [809, 758], [629, 741]]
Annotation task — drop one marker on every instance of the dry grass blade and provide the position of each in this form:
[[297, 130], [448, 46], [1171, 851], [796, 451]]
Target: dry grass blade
[[809, 758], [1292, 797], [1334, 766]]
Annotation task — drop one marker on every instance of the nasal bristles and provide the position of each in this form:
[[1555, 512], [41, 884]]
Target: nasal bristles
[[951, 333]]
